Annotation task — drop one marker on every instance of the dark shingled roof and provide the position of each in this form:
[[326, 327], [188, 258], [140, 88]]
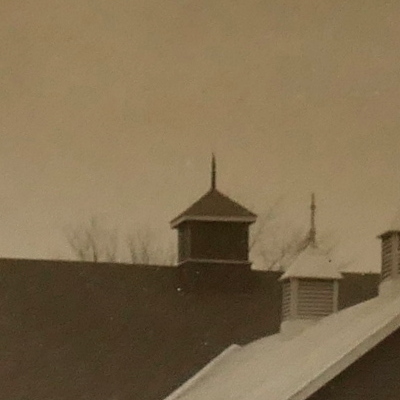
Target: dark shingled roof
[[215, 204], [75, 331], [72, 330]]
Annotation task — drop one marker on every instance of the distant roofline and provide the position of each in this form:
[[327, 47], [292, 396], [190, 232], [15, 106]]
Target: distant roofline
[[177, 221], [81, 263]]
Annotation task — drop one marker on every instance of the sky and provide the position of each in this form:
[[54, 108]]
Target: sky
[[114, 108]]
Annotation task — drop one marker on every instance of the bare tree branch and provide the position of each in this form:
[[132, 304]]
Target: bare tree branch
[[275, 243], [93, 242], [263, 221], [143, 249], [140, 247]]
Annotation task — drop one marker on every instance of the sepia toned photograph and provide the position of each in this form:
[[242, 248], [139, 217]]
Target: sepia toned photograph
[[200, 200]]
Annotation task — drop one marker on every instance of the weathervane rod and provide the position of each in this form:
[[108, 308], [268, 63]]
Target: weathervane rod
[[313, 230], [213, 172]]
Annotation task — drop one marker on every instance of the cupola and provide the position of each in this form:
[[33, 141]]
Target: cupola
[[213, 236], [310, 285]]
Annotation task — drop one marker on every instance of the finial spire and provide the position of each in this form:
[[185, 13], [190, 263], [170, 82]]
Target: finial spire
[[213, 172], [313, 230]]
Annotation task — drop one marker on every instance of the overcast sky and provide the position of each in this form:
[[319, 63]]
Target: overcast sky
[[113, 108]]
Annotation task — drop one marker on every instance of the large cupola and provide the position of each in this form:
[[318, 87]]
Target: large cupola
[[310, 285], [213, 236]]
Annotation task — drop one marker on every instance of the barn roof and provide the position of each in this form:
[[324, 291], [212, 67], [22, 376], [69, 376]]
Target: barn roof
[[280, 368], [74, 330], [215, 206]]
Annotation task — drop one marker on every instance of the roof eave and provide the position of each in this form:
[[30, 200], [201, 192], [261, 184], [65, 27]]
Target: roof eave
[[239, 219]]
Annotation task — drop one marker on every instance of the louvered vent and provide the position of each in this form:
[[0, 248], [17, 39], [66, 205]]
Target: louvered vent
[[386, 257], [286, 300], [315, 298]]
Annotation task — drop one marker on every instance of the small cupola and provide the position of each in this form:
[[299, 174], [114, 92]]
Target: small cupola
[[310, 285], [213, 234], [390, 258]]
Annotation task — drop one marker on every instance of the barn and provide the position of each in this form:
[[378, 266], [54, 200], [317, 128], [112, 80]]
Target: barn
[[320, 352]]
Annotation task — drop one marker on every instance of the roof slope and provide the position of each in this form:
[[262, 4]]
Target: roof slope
[[278, 368], [215, 205], [312, 263]]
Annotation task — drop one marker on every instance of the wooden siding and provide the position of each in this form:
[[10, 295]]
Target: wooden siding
[[315, 298], [184, 242], [286, 300], [355, 288], [386, 257]]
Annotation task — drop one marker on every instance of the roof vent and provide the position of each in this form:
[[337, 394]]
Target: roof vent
[[310, 286]]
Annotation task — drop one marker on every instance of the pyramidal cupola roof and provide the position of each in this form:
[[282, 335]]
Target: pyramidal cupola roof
[[215, 206], [312, 262]]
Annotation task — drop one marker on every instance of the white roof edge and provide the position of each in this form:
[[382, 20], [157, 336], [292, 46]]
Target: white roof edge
[[339, 365], [199, 375]]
